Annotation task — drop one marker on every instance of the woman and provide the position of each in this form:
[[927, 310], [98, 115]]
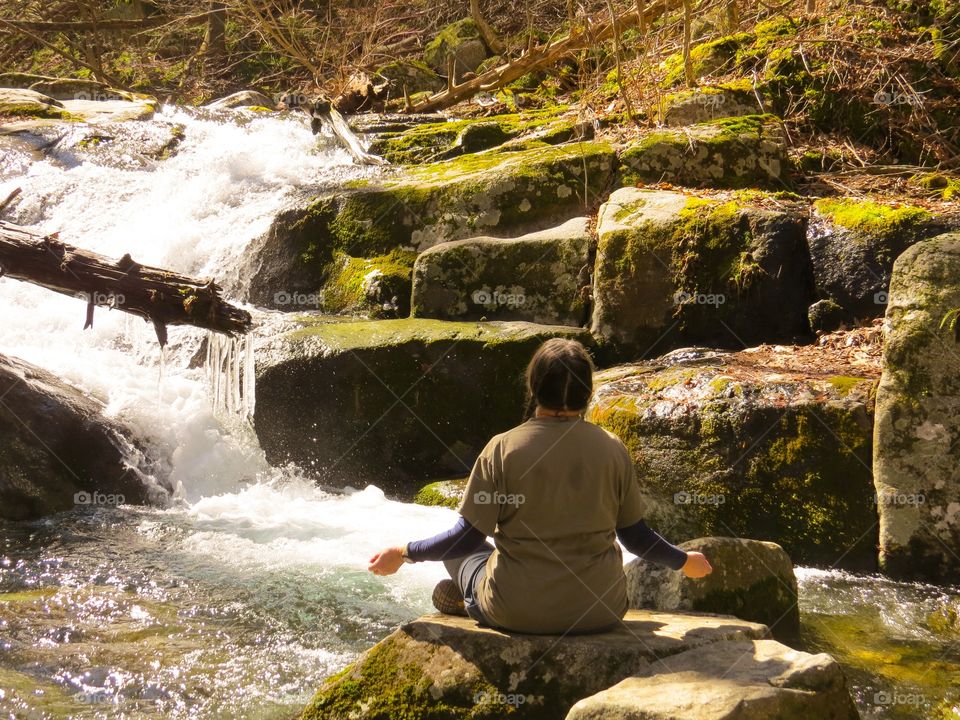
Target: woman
[[554, 493]]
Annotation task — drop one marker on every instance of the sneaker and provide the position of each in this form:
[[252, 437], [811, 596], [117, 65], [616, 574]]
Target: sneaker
[[447, 598]]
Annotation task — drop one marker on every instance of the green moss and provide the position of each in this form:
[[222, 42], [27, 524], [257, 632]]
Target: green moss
[[378, 286], [870, 217], [946, 186], [36, 111], [845, 384], [447, 40], [443, 493]]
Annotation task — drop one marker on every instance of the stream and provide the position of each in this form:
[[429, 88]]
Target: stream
[[249, 588]]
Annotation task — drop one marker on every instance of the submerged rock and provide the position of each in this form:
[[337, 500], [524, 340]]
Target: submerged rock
[[853, 244], [741, 152], [751, 580], [539, 277], [449, 667], [917, 449], [57, 450], [742, 444], [673, 270], [392, 402], [737, 680]]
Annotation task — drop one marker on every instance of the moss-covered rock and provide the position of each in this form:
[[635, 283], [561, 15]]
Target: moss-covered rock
[[442, 493], [751, 580], [392, 402], [433, 141], [708, 103], [674, 269], [491, 193], [414, 75], [31, 104], [748, 151], [742, 679], [460, 39], [538, 277], [449, 668], [853, 243], [917, 448], [57, 450], [376, 287], [724, 446]]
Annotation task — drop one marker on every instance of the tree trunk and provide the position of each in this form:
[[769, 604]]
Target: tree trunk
[[161, 296], [215, 39]]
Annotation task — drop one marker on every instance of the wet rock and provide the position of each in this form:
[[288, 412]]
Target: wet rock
[[674, 269], [490, 194], [57, 450], [460, 39], [443, 666], [748, 151], [537, 277], [853, 243], [751, 580], [917, 448], [445, 493], [738, 444], [736, 680], [391, 402], [243, 98]]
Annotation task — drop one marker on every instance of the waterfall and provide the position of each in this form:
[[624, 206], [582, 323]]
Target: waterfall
[[231, 375]]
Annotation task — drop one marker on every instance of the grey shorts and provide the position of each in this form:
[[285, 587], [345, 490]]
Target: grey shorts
[[467, 572]]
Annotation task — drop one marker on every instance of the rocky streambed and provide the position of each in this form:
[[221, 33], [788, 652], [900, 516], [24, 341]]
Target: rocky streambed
[[738, 330]]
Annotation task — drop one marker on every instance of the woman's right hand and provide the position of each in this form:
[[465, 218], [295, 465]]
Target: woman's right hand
[[697, 565]]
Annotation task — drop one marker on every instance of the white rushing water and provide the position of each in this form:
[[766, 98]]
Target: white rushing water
[[241, 539]]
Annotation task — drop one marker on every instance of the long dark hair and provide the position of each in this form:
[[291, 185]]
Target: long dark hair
[[559, 376]]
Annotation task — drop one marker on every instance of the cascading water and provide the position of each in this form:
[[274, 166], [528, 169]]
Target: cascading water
[[241, 596], [250, 587]]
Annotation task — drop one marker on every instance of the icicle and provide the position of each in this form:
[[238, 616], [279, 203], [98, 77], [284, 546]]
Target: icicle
[[230, 369]]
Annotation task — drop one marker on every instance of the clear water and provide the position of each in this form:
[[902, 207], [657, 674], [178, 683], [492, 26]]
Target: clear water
[[249, 587]]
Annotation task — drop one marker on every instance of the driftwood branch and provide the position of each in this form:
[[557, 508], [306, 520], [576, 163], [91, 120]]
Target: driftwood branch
[[161, 296], [543, 56]]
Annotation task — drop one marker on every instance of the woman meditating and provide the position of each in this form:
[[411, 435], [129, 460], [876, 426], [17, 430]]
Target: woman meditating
[[554, 493]]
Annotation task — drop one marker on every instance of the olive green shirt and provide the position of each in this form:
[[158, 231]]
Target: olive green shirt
[[552, 493]]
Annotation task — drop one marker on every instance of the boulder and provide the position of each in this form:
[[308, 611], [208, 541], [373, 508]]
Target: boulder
[[449, 667], [736, 680], [917, 441], [414, 75], [751, 580], [769, 443], [431, 141], [241, 99], [853, 244], [442, 493], [707, 103], [674, 269], [493, 194], [825, 316], [30, 103], [57, 450], [460, 39], [737, 152], [537, 277], [391, 402]]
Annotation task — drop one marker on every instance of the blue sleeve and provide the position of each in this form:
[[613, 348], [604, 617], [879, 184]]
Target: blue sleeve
[[649, 545], [462, 539]]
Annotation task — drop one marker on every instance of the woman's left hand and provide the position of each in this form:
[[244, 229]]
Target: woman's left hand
[[386, 562]]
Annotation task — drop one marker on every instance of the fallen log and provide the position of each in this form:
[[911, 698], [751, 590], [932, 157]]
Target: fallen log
[[160, 296], [543, 56]]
